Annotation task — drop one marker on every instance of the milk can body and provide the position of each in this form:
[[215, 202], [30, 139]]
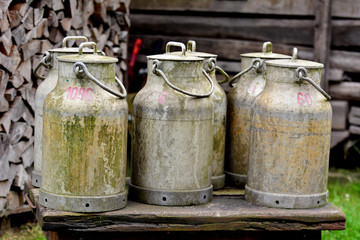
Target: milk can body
[[240, 98], [172, 135], [84, 139], [218, 98], [49, 83], [290, 139]]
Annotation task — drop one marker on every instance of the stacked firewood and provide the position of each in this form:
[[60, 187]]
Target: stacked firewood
[[28, 29]]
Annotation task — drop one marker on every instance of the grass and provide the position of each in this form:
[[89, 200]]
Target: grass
[[345, 194], [29, 231]]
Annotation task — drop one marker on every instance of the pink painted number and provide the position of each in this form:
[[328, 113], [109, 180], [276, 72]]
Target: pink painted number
[[304, 99], [79, 93], [161, 98]]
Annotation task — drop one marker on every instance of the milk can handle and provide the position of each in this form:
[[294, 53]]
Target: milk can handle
[[175, 44], [46, 62], [301, 74], [68, 38], [157, 71], [87, 44], [256, 63], [80, 67], [212, 65]]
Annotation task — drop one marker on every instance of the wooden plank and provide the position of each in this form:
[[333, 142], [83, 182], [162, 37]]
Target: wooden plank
[[345, 33], [354, 129], [347, 61], [354, 116], [322, 37], [345, 91], [340, 112], [226, 49], [282, 7], [346, 8], [223, 213], [276, 30], [338, 136], [335, 75]]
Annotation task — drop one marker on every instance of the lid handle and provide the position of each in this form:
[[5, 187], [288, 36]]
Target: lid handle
[[301, 74], [191, 46], [175, 44], [87, 44], [294, 55], [267, 47], [75, 38]]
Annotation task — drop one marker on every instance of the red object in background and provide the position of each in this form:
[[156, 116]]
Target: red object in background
[[134, 55]]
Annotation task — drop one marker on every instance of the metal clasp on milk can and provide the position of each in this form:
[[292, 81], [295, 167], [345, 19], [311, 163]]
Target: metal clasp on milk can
[[240, 98], [49, 61], [290, 137], [173, 132], [85, 136]]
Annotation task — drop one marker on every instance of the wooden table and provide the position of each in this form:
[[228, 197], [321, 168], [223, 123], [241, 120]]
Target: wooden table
[[226, 217]]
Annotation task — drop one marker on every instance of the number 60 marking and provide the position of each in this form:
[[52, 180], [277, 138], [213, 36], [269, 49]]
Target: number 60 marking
[[304, 98]]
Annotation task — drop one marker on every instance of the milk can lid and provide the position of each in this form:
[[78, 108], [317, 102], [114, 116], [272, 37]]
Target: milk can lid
[[266, 53], [295, 63], [65, 49], [87, 58], [175, 56]]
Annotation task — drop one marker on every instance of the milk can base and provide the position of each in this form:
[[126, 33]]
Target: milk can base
[[218, 182], [83, 203], [36, 179], [236, 180], [170, 198], [278, 200]]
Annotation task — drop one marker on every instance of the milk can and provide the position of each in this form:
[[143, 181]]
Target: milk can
[[173, 132], [85, 136], [240, 98], [218, 98], [50, 61], [290, 137]]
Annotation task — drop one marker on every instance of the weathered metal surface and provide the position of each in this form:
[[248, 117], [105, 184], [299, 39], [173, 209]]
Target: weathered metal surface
[[84, 140], [289, 139], [225, 213], [218, 98], [42, 91], [240, 99], [172, 132]]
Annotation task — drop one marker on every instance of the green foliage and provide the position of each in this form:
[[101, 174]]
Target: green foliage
[[30, 231], [346, 196]]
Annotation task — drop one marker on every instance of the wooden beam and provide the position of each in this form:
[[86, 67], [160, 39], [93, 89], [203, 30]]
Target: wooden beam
[[345, 91]]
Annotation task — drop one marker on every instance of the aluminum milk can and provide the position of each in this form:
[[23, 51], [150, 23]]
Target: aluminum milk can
[[290, 138], [50, 61], [218, 98], [240, 98], [173, 132], [85, 136]]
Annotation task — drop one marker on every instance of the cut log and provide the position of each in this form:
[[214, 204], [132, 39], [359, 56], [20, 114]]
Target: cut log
[[4, 163], [76, 13], [21, 177], [31, 48], [337, 137], [4, 5], [25, 69], [5, 122], [52, 19], [20, 7], [19, 35], [28, 157], [15, 56], [355, 111], [28, 132], [5, 25], [3, 202], [16, 80], [55, 35], [7, 63], [28, 19], [340, 112], [38, 15], [6, 43], [17, 109], [345, 91], [5, 187], [4, 104], [42, 29], [28, 117], [57, 5], [17, 131], [66, 24], [45, 45], [14, 18], [19, 148], [10, 94]]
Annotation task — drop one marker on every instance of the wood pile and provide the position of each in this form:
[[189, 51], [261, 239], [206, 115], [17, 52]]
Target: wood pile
[[28, 28], [326, 31]]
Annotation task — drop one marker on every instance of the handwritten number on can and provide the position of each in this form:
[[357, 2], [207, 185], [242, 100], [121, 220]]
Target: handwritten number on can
[[161, 98], [304, 99], [79, 93]]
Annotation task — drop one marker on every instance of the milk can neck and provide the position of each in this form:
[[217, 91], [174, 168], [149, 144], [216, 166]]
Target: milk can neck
[[276, 75]]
